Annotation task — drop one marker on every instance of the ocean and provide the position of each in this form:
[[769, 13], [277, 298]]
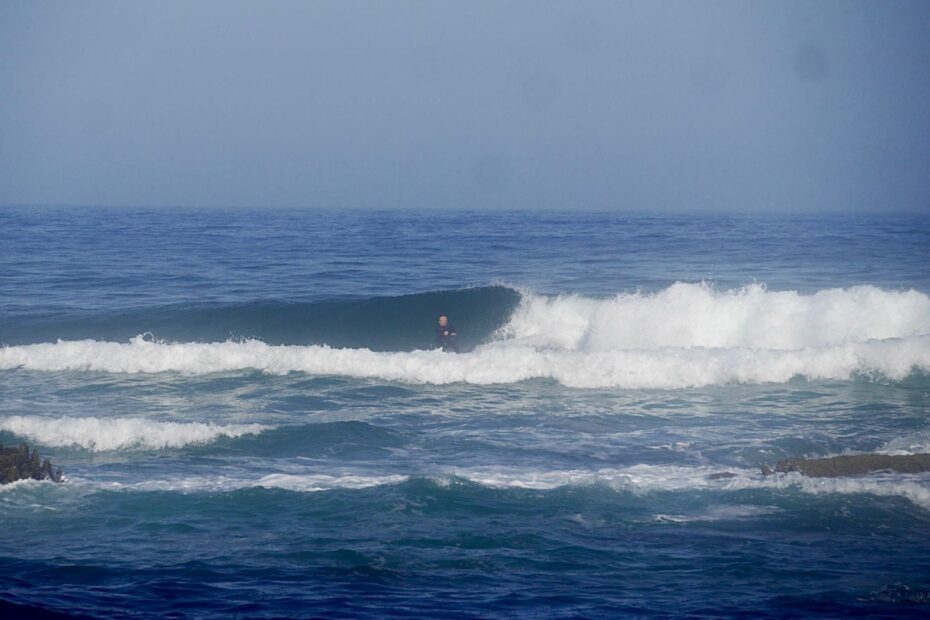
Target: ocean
[[254, 422]]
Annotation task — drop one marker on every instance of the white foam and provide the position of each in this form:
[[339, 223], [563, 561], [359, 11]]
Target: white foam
[[685, 336], [642, 479], [304, 483], [497, 363], [718, 513], [19, 484], [636, 479], [107, 434], [324, 482], [696, 315], [911, 487], [913, 443]]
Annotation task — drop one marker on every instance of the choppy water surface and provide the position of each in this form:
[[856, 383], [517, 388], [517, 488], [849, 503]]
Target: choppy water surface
[[253, 422]]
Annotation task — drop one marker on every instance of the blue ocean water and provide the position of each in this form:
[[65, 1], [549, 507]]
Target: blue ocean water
[[253, 420]]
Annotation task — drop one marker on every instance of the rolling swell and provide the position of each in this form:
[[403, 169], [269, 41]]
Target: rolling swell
[[401, 323], [688, 335]]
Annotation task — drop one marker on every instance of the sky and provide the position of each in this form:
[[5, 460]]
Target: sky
[[686, 106]]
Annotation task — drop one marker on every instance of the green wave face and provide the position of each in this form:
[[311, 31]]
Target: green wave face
[[401, 323]]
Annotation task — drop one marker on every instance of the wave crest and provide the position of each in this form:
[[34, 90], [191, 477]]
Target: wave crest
[[636, 479], [641, 479], [696, 315], [688, 335], [109, 434]]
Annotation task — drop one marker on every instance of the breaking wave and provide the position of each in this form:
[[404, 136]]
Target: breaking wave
[[305, 483], [636, 479], [108, 434], [914, 442], [688, 335], [697, 315], [670, 478]]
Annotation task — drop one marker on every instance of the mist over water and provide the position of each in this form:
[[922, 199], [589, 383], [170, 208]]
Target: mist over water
[[648, 106]]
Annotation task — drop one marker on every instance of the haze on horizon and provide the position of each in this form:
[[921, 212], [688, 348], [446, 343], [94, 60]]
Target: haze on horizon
[[672, 105]]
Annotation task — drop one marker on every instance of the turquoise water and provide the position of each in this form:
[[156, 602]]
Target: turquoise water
[[253, 423]]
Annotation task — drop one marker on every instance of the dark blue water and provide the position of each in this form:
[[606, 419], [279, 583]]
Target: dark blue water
[[253, 420]]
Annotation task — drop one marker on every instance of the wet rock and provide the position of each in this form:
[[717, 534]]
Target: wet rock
[[723, 475], [852, 465], [22, 464]]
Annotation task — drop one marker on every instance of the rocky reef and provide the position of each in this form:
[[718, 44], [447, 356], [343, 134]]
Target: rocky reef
[[22, 464], [852, 465]]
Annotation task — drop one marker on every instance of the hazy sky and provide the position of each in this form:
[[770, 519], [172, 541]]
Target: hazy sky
[[743, 105]]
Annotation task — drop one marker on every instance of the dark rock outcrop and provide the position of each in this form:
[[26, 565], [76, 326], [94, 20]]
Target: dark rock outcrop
[[21, 464], [852, 465]]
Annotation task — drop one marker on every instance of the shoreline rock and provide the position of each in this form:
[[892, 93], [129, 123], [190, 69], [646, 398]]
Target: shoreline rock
[[22, 464], [852, 465]]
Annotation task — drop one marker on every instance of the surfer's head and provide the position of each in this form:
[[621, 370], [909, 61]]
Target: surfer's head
[[443, 320]]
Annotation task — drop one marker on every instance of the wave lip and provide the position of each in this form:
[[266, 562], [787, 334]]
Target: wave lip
[[111, 434]]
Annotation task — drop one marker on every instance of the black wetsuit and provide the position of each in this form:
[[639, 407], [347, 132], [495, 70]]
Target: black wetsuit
[[445, 338]]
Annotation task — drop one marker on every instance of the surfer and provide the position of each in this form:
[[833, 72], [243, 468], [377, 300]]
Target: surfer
[[445, 335]]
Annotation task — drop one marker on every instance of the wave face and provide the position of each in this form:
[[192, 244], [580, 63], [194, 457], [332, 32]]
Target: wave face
[[402, 323], [687, 335], [109, 434]]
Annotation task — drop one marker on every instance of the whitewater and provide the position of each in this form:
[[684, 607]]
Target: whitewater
[[688, 335], [253, 419]]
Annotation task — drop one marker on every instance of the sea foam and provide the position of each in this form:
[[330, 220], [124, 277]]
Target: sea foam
[[688, 335], [636, 479], [914, 442], [643, 479], [108, 434], [302, 483], [696, 315]]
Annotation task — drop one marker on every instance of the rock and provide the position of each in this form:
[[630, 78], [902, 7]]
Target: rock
[[20, 464], [852, 465], [723, 475]]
